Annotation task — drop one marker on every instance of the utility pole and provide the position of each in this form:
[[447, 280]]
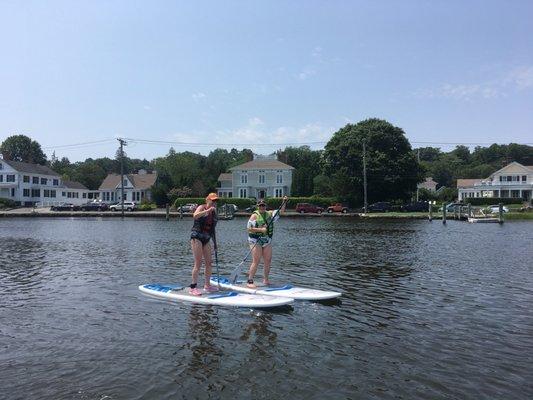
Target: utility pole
[[364, 176], [122, 144]]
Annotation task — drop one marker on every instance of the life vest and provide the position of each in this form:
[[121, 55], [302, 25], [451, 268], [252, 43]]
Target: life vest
[[260, 222], [205, 224]]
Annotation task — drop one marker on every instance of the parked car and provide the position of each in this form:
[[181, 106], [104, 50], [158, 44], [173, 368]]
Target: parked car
[[495, 209], [64, 207], [251, 209], [94, 206], [451, 207], [416, 206], [232, 207], [381, 206], [128, 206], [337, 207], [308, 208], [190, 207]]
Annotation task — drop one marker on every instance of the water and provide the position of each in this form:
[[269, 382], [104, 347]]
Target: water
[[429, 311]]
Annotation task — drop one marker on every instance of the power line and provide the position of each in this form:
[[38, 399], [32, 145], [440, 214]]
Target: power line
[[73, 145]]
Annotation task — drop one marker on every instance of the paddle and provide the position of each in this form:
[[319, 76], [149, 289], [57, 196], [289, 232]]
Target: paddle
[[237, 270], [216, 256]]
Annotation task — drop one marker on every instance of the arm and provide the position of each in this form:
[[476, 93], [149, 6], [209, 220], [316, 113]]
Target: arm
[[252, 228], [202, 211]]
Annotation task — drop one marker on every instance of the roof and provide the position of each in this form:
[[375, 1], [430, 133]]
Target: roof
[[262, 164], [74, 185], [511, 168], [139, 181], [225, 177], [464, 183], [30, 168]]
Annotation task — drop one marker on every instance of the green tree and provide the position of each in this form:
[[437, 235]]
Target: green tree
[[307, 166], [22, 148], [392, 168]]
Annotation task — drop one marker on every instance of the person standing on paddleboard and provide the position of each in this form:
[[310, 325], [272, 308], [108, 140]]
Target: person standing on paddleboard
[[260, 231], [203, 229]]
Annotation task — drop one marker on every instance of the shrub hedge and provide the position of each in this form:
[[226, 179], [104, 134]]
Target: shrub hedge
[[272, 202], [487, 201], [7, 203]]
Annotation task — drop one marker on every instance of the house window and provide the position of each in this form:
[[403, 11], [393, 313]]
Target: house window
[[26, 179], [278, 192], [524, 178], [125, 183], [1, 178], [56, 182], [69, 195], [515, 194], [36, 193], [63, 194], [44, 181], [35, 180], [261, 176], [46, 193], [244, 177], [52, 193], [12, 192], [10, 178], [84, 195], [279, 177], [26, 192], [243, 193], [1, 166]]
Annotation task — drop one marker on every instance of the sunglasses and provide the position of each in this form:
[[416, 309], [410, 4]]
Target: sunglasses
[[262, 205]]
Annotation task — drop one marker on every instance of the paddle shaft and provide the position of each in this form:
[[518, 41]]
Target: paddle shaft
[[235, 273]]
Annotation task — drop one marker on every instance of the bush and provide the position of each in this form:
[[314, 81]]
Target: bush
[[146, 206], [487, 201], [273, 202], [7, 203]]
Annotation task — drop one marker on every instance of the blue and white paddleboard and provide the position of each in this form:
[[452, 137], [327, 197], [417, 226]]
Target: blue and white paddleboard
[[223, 298], [287, 291]]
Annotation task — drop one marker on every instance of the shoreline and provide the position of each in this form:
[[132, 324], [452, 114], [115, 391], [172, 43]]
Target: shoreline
[[161, 213]]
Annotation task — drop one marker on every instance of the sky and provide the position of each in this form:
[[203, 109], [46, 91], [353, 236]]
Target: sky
[[76, 75]]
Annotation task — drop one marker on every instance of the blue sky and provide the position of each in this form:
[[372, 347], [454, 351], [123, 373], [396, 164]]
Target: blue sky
[[260, 74]]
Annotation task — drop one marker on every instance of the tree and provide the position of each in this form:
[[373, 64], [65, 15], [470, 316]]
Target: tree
[[22, 148], [307, 166], [392, 168]]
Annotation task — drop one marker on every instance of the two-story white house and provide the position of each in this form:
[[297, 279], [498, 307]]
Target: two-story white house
[[260, 178], [28, 184], [512, 181], [137, 187]]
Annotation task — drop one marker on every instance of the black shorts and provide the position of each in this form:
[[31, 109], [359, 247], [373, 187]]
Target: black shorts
[[202, 237]]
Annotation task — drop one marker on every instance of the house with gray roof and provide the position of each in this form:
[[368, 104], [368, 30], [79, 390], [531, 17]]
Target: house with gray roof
[[136, 187], [260, 178], [29, 184], [512, 181]]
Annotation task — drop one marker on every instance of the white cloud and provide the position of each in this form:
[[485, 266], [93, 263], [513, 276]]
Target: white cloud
[[306, 74], [147, 108], [198, 96], [521, 77], [317, 52]]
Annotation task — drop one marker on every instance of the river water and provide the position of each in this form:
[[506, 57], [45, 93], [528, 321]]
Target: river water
[[428, 312]]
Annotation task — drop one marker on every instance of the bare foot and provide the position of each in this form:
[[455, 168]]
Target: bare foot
[[266, 283], [251, 285]]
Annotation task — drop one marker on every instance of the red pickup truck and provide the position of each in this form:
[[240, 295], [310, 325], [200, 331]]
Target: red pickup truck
[[337, 207]]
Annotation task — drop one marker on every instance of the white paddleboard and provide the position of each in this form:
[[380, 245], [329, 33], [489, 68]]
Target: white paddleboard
[[222, 298], [287, 291]]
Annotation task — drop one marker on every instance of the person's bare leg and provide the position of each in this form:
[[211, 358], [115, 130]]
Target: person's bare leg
[[257, 251], [196, 247], [208, 263], [267, 259]]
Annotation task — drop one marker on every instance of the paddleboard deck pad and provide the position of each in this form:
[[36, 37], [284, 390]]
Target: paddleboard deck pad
[[221, 298], [287, 291]]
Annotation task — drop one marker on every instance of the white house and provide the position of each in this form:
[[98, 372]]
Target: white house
[[512, 181], [28, 184], [259, 178], [428, 184], [136, 187]]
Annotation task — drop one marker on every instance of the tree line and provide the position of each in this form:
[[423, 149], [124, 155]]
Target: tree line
[[393, 167]]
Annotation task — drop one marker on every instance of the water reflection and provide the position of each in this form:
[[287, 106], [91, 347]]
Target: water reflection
[[201, 341]]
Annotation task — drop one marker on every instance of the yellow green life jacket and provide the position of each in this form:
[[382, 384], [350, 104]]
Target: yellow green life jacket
[[262, 221]]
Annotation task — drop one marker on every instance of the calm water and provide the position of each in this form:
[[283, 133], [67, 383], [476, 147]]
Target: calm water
[[429, 311]]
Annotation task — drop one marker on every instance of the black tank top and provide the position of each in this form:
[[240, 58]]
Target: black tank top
[[205, 224]]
